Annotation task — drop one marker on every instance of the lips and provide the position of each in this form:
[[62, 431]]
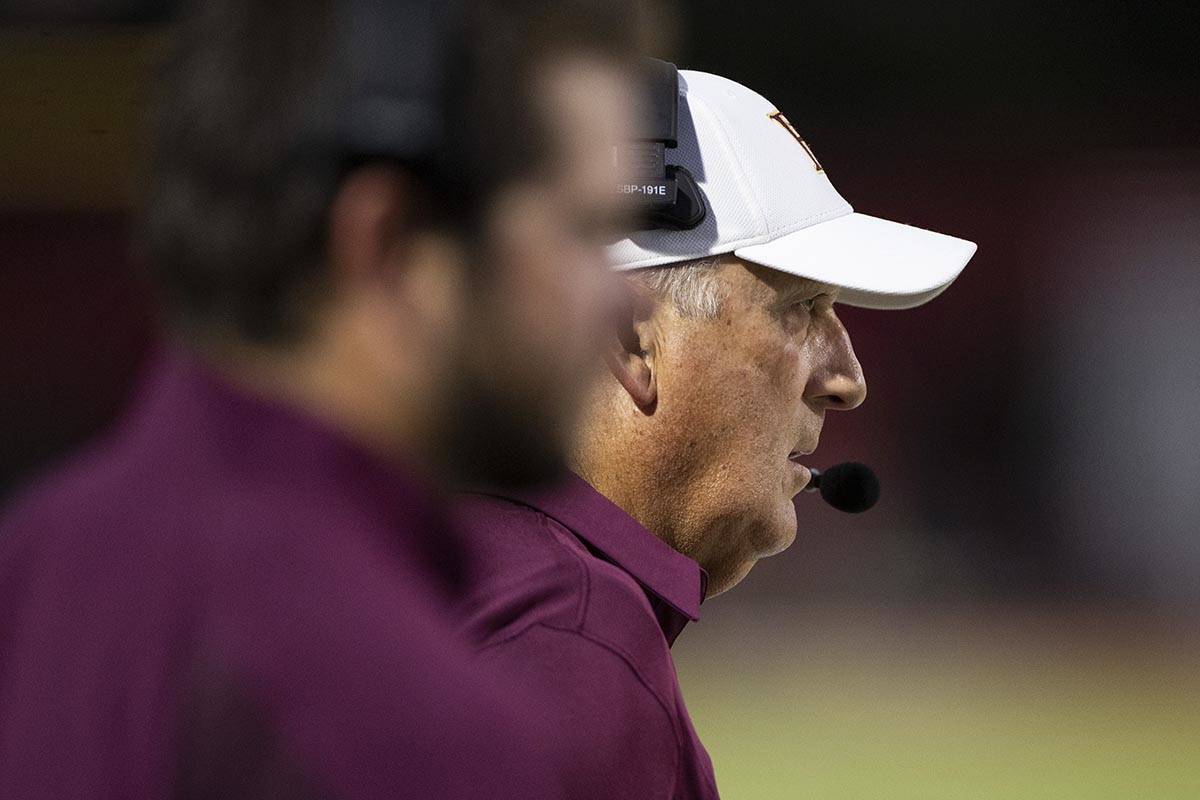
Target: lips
[[801, 473]]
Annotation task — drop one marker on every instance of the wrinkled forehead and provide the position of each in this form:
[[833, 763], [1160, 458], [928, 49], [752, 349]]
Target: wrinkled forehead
[[774, 285]]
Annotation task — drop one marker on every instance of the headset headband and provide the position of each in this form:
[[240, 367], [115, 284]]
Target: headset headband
[[666, 193]]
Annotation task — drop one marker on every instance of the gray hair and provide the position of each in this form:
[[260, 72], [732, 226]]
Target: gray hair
[[692, 286]]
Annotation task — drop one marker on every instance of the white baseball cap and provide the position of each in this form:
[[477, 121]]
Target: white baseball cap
[[771, 203]]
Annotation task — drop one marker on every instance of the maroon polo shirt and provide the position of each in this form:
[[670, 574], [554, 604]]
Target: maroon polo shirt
[[226, 598], [583, 602]]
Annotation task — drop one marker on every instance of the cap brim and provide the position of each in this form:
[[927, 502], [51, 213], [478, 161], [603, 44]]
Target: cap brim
[[876, 262]]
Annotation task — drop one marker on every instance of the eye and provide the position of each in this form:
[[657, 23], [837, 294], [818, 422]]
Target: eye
[[799, 312]]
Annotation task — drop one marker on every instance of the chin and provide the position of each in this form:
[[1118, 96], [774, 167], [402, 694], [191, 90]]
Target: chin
[[721, 581], [759, 525], [780, 531]]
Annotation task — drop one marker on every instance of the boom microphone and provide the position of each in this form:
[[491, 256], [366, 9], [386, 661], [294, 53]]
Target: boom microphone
[[851, 487]]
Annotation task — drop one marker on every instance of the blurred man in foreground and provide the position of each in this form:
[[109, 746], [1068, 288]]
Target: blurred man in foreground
[[692, 449], [363, 217]]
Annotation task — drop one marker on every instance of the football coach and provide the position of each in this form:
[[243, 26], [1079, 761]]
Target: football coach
[[362, 217], [694, 442]]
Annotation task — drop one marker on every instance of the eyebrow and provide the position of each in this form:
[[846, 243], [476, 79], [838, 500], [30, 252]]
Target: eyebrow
[[805, 287]]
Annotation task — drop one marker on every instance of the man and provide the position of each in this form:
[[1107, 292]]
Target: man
[[361, 216], [692, 448]]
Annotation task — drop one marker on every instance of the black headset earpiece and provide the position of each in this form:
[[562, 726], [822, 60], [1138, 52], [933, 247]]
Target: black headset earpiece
[[688, 210], [667, 193]]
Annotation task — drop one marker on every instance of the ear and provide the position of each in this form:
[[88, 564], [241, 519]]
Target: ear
[[630, 356], [369, 213], [386, 262]]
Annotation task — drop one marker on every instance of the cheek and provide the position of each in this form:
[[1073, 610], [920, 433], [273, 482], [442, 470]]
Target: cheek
[[787, 370], [742, 416], [775, 393], [745, 385], [759, 419], [544, 301], [549, 317], [736, 417], [565, 289]]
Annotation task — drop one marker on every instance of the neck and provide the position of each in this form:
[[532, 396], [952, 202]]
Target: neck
[[334, 383], [619, 453]]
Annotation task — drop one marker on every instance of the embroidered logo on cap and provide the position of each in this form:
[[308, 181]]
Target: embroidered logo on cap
[[782, 120]]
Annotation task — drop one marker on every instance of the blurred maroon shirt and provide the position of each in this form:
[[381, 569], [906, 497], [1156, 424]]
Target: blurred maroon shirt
[[227, 599], [576, 596]]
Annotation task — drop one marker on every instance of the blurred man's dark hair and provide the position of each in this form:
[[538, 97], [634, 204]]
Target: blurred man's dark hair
[[236, 203]]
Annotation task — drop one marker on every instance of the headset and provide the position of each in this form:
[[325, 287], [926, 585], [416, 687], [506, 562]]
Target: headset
[[388, 101], [666, 194]]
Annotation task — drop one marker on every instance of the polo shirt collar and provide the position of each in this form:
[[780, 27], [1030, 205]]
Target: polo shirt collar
[[666, 575]]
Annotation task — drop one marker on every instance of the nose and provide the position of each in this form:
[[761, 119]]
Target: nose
[[838, 382], [843, 392]]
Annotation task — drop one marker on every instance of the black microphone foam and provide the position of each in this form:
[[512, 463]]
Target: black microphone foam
[[851, 487]]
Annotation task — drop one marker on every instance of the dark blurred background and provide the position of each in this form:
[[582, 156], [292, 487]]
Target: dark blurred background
[[1020, 615]]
